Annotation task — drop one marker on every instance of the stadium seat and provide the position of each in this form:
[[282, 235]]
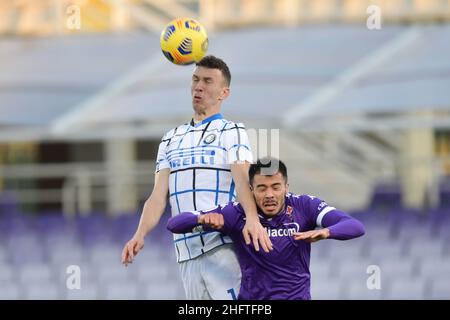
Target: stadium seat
[[52, 222], [172, 291], [121, 291], [104, 254], [433, 249], [326, 289], [33, 272], [4, 257], [386, 196], [9, 291], [406, 289], [320, 249], [153, 271], [64, 240], [319, 268], [124, 226], [152, 253], [434, 268], [66, 255], [26, 240], [9, 204], [42, 291], [444, 193], [353, 268], [7, 272], [86, 292], [108, 273], [358, 290], [27, 254], [338, 268], [395, 268], [440, 288], [345, 249], [417, 234], [376, 232], [356, 279], [88, 274], [384, 248]]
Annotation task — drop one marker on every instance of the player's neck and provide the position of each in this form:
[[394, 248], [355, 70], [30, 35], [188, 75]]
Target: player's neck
[[197, 118]]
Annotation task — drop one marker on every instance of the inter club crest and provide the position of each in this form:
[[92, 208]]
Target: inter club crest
[[209, 138]]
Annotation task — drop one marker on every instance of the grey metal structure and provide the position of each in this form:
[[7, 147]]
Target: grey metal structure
[[324, 88]]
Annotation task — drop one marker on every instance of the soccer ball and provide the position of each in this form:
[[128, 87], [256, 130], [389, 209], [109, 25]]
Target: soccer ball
[[184, 41]]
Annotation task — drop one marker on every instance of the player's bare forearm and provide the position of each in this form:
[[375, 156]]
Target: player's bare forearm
[[151, 214], [312, 235], [253, 230], [244, 194], [155, 205]]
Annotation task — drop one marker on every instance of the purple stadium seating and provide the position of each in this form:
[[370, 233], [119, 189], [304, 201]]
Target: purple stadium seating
[[9, 205], [392, 234], [386, 196], [444, 193]]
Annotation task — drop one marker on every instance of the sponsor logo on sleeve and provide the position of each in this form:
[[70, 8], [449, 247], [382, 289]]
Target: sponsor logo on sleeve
[[322, 205]]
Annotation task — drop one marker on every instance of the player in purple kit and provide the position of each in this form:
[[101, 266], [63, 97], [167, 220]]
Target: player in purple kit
[[290, 220]]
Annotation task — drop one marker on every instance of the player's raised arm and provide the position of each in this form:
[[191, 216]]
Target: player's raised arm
[[183, 222], [253, 229], [337, 225], [153, 209], [186, 221], [342, 226]]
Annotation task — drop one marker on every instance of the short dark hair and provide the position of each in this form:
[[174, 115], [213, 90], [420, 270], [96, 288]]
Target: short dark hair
[[270, 167], [213, 62]]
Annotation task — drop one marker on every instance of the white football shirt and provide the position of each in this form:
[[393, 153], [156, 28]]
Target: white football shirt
[[199, 158]]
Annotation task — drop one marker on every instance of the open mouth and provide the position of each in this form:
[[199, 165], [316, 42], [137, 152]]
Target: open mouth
[[270, 205]]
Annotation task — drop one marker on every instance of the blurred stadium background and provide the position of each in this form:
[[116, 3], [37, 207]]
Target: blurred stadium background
[[363, 118]]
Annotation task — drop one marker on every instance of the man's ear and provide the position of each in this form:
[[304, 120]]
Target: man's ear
[[225, 93]]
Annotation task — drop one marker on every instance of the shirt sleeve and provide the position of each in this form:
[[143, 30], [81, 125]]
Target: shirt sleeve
[[231, 215], [182, 223], [188, 221], [316, 209], [161, 159], [342, 226], [237, 143]]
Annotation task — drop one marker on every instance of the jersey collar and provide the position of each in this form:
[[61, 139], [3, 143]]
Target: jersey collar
[[209, 119]]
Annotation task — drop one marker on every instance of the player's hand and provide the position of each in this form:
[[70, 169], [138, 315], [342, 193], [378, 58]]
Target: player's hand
[[131, 249], [253, 230], [214, 220], [313, 235]]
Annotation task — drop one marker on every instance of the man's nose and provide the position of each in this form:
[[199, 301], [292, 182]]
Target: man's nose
[[269, 194], [198, 86]]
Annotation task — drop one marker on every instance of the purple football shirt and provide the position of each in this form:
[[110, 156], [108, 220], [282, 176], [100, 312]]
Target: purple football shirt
[[284, 272]]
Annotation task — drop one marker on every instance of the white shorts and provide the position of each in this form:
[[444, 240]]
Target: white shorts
[[215, 275]]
